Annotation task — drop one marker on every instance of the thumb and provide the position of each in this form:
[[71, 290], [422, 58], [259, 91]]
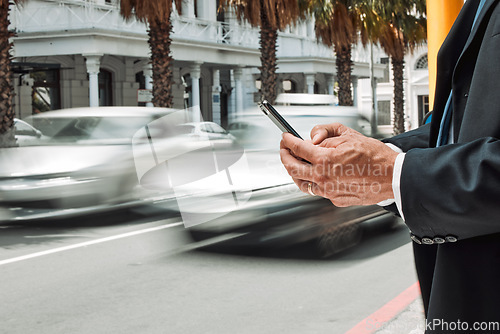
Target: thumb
[[323, 131]]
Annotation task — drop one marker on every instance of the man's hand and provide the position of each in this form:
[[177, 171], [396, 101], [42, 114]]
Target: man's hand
[[345, 166]]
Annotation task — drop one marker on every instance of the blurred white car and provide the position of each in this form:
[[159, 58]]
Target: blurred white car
[[85, 164]]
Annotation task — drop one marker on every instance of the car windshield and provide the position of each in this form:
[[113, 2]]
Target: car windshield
[[258, 132], [84, 129], [182, 129]]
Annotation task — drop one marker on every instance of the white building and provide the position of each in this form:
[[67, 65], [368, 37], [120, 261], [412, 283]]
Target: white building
[[416, 88], [73, 53]]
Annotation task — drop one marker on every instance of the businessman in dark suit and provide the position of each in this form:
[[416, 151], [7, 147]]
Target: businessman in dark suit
[[442, 178]]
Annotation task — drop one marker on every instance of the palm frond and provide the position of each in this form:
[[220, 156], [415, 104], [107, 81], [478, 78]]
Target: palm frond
[[278, 13], [146, 10]]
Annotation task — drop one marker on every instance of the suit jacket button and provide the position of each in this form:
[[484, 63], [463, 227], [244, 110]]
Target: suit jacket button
[[451, 238], [466, 95], [439, 240], [415, 238], [427, 241]]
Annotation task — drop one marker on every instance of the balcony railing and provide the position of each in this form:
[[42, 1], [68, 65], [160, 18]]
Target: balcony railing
[[56, 16], [67, 15]]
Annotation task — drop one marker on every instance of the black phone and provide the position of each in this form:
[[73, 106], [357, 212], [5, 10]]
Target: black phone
[[277, 119]]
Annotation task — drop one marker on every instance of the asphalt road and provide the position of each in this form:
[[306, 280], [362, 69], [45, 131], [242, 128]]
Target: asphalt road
[[131, 274]]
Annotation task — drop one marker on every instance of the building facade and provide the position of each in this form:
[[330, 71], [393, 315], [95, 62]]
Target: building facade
[[75, 53]]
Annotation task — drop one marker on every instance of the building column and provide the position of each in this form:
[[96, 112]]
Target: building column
[[93, 63], [216, 89], [330, 81], [355, 91], [238, 85], [188, 8], [310, 27], [310, 83], [195, 91], [207, 10], [148, 81]]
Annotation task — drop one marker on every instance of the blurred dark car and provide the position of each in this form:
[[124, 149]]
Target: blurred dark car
[[276, 212], [77, 161]]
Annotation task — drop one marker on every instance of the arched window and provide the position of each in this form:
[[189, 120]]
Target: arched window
[[422, 63]]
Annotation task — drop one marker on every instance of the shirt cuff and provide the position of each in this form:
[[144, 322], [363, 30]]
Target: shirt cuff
[[396, 180], [394, 148]]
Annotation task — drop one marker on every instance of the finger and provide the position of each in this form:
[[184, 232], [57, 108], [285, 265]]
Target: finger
[[283, 147], [302, 184], [323, 131], [300, 148], [304, 187], [345, 200], [333, 142], [296, 168]]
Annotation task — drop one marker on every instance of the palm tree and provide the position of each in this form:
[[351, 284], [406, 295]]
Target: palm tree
[[404, 29], [7, 138], [340, 24], [157, 14], [270, 16], [370, 25], [335, 25]]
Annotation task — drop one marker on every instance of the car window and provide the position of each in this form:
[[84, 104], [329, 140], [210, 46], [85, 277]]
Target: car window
[[65, 129], [216, 128], [77, 129], [22, 129], [117, 127], [206, 128], [237, 126], [261, 133], [183, 129], [49, 125]]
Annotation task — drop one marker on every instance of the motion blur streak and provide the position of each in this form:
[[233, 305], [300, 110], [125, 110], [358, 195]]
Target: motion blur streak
[[88, 243], [199, 161]]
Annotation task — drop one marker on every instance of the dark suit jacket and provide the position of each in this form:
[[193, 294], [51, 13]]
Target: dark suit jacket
[[454, 190]]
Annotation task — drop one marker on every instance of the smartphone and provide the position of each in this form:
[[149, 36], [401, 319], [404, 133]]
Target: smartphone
[[277, 119]]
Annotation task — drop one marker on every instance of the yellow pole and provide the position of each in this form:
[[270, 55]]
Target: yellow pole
[[440, 17]]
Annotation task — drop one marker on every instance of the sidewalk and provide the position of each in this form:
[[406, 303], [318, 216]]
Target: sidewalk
[[409, 321]]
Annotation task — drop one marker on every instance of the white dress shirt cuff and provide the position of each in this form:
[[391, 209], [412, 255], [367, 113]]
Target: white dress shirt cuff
[[396, 180]]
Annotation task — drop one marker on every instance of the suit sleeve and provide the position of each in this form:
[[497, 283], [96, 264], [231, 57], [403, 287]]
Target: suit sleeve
[[418, 138], [453, 189]]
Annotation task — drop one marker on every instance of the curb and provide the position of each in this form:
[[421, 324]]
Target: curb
[[393, 317]]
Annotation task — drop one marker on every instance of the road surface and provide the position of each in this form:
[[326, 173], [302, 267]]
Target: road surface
[[129, 273]]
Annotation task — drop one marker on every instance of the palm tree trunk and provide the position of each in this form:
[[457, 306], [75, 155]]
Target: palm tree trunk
[[399, 112], [268, 39], [344, 70], [162, 62], [7, 138]]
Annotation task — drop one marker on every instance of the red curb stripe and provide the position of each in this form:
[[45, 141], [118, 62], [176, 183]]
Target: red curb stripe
[[387, 312]]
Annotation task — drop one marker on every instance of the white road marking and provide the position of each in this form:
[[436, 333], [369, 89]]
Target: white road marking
[[88, 243], [55, 236]]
